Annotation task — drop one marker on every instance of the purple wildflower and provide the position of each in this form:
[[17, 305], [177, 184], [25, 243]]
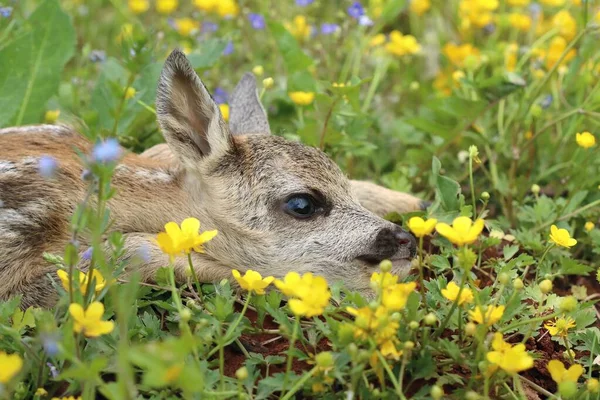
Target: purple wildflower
[[144, 253], [546, 101], [220, 96], [6, 11], [97, 56], [228, 49], [53, 371], [257, 21], [47, 166], [107, 151], [209, 27], [304, 3], [328, 29], [87, 255], [50, 344], [535, 10], [356, 10], [364, 20]]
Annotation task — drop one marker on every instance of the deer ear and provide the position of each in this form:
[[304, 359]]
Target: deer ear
[[189, 118], [246, 114]]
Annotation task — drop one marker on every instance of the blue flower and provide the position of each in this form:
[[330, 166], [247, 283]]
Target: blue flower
[[50, 344], [5, 11], [97, 56], [144, 253], [107, 151], [257, 21], [364, 20], [228, 49], [209, 27], [535, 10], [304, 3], [54, 373], [546, 101], [328, 29], [220, 96], [356, 10], [47, 166], [87, 255]]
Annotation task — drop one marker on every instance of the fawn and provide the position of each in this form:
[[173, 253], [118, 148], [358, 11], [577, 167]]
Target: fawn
[[278, 205]]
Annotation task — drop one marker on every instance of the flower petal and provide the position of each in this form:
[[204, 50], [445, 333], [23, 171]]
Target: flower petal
[[557, 370], [190, 227]]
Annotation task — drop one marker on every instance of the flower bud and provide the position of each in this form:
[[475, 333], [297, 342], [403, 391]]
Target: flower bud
[[518, 284], [472, 395], [485, 196], [535, 189], [569, 355], [414, 86], [241, 373], [567, 389], [592, 385], [258, 70], [430, 319], [352, 349], [324, 359], [185, 314], [413, 325], [385, 266], [268, 83], [536, 110], [546, 286], [409, 345], [470, 328], [436, 392], [568, 304], [503, 278]]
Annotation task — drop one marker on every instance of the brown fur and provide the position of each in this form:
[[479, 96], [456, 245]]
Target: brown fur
[[235, 183]]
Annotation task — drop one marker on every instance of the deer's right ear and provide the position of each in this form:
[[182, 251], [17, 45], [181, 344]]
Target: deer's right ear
[[189, 118], [247, 115]]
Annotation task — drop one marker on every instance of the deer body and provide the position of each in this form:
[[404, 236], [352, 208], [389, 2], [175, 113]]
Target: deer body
[[278, 205]]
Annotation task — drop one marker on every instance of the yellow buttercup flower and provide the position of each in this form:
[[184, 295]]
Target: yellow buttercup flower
[[401, 45], [224, 111], [553, 3], [310, 293], [588, 226], [377, 40], [463, 230], [186, 26], [451, 293], [166, 7], [299, 27], [206, 5], [492, 315], [84, 280], [384, 279], [512, 359], [521, 22], [302, 98], [10, 365], [555, 50], [420, 7], [41, 392], [477, 12], [518, 3], [376, 324], [252, 281], [561, 237], [419, 227], [89, 321], [560, 326], [560, 374], [138, 6], [394, 297], [458, 54], [565, 23], [227, 8], [51, 116], [126, 33], [176, 241], [585, 139], [592, 385]]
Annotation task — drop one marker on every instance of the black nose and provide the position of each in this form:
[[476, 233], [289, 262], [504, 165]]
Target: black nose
[[388, 243]]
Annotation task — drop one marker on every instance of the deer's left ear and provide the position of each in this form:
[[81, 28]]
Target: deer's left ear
[[247, 115], [190, 120]]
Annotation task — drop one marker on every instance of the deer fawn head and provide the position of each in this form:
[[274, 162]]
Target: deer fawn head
[[279, 205]]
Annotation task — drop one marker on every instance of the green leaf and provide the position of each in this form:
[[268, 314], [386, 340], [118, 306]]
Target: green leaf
[[569, 266], [22, 319], [209, 54], [446, 189], [31, 66], [293, 56]]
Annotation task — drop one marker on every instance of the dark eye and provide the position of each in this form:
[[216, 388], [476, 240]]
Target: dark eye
[[300, 206]]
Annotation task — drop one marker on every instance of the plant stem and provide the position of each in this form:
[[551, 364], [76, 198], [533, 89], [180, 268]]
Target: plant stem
[[299, 384], [290, 357], [196, 280], [440, 330], [421, 276]]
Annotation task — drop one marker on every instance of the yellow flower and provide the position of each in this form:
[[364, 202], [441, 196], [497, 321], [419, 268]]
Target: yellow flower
[[206, 5], [560, 326], [384, 279], [388, 349], [186, 26], [310, 293], [126, 33], [553, 3], [84, 280], [561, 237], [173, 372], [555, 50], [129, 92], [419, 7], [252, 281], [41, 392], [377, 40], [592, 385], [394, 297], [560, 374], [510, 56], [224, 111], [302, 98], [565, 23], [401, 45], [518, 3], [451, 293], [10, 365], [67, 398], [477, 12], [585, 140], [419, 227], [521, 22], [492, 315], [227, 8], [166, 7], [457, 54], [512, 359], [377, 325], [588, 226], [139, 6], [90, 321], [175, 241], [299, 27], [258, 70], [463, 230], [51, 116]]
